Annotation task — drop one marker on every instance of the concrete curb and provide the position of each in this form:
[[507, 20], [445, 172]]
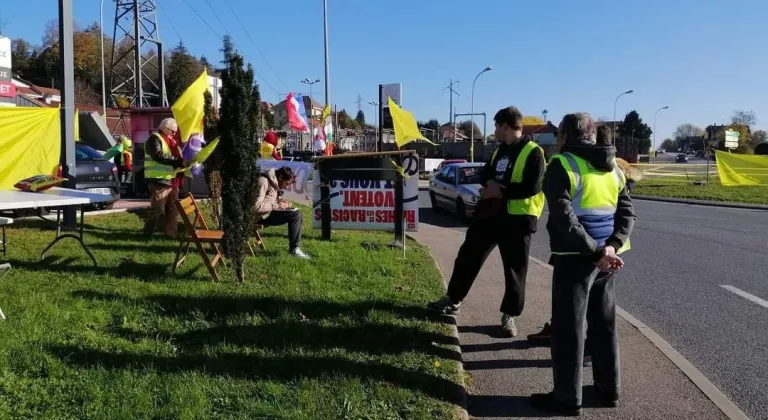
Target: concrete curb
[[462, 409], [694, 375], [708, 203]]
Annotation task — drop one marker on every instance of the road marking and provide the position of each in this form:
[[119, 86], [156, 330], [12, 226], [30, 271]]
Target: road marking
[[745, 295]]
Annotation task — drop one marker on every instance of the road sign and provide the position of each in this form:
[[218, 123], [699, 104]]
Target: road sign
[[731, 139]]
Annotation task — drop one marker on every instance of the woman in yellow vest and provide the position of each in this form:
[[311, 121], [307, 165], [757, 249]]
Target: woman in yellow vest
[[590, 220], [506, 215]]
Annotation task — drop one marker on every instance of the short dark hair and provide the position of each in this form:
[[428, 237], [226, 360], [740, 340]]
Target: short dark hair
[[284, 174], [510, 116], [603, 136]]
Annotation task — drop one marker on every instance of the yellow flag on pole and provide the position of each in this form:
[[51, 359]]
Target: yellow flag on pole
[[406, 129], [326, 112], [189, 109]]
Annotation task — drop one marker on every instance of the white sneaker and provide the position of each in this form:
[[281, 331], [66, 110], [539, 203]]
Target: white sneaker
[[298, 253], [508, 325]]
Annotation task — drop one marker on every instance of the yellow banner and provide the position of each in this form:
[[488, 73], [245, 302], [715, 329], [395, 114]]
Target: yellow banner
[[406, 128], [189, 109], [742, 169], [30, 143]]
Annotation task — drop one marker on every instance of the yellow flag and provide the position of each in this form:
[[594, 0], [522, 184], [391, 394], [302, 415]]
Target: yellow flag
[[326, 112], [189, 109], [406, 129], [737, 169]]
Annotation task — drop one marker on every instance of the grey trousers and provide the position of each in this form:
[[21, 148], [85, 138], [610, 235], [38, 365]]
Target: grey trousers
[[583, 297]]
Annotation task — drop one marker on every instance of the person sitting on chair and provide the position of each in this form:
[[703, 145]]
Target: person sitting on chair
[[271, 210]]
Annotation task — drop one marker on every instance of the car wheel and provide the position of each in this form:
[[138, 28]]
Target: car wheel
[[433, 201], [461, 210]]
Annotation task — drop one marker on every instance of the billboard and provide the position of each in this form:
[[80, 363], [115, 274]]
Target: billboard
[[395, 91], [7, 89]]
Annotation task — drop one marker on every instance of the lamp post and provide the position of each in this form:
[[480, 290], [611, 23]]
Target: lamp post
[[103, 76], [655, 152], [614, 114], [472, 116], [325, 39], [310, 83]]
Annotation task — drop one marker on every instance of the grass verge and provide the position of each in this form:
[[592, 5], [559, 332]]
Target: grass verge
[[343, 336], [712, 192]]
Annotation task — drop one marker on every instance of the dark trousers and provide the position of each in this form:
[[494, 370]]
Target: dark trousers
[[292, 218], [583, 297], [482, 236]]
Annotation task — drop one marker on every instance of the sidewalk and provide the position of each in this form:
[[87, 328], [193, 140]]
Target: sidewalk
[[506, 371]]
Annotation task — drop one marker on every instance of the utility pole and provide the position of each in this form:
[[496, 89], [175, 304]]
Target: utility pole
[[451, 92], [67, 109]]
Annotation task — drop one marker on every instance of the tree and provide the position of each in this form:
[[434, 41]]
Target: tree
[[22, 57], [747, 118], [669, 145], [530, 120], [86, 94], [183, 69], [432, 124], [214, 162], [467, 126], [759, 137], [205, 64], [344, 121], [687, 130], [240, 170], [360, 118], [634, 127]]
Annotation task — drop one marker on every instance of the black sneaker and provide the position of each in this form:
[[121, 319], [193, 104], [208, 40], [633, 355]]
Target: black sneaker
[[548, 404], [608, 400], [542, 337], [445, 306]]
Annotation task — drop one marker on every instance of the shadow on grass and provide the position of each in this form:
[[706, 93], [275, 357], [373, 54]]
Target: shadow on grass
[[150, 272], [285, 368]]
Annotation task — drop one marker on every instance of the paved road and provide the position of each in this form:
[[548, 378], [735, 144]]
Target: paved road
[[681, 257]]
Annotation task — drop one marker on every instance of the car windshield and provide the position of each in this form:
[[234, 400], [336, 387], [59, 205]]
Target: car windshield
[[83, 152], [470, 175]]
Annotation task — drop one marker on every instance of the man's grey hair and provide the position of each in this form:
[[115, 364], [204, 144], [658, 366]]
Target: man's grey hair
[[578, 127], [167, 123]]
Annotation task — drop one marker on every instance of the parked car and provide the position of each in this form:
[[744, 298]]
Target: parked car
[[690, 152], [446, 162], [456, 188], [661, 152], [94, 174], [681, 158]]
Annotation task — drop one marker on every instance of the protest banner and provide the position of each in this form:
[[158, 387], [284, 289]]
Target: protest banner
[[370, 205], [299, 191]]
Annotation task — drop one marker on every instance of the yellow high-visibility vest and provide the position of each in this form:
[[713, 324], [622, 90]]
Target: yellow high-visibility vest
[[531, 206], [154, 169]]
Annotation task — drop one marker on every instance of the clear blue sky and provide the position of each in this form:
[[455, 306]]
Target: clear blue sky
[[703, 58]]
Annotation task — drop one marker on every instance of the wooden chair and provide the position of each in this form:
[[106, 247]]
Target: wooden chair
[[197, 231], [259, 239]]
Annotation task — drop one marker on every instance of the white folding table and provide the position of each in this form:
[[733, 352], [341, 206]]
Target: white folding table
[[54, 198]]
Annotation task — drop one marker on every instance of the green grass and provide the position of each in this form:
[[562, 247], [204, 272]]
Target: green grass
[[676, 188], [343, 336]]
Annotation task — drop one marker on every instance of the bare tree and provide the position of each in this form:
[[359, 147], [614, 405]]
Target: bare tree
[[747, 118], [3, 23], [684, 131], [85, 93]]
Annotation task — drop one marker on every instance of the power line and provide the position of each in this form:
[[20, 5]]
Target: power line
[[217, 16], [248, 34], [255, 72], [176, 31]]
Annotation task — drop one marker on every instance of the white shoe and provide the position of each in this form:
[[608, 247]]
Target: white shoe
[[298, 253], [508, 325]]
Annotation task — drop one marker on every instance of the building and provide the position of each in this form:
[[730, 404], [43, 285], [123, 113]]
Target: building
[[450, 133], [314, 110], [214, 86], [542, 134]]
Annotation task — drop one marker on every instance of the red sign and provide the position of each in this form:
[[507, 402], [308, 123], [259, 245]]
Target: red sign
[[7, 90]]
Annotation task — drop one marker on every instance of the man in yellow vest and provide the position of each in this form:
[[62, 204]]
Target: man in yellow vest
[[590, 220], [162, 155], [506, 215]]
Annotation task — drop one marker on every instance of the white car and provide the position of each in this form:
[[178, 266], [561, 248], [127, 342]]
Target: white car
[[456, 188]]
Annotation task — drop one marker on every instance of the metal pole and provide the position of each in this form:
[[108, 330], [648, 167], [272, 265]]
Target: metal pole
[[139, 99], [380, 140], [654, 131], [472, 116], [103, 72], [327, 68], [614, 114], [67, 110]]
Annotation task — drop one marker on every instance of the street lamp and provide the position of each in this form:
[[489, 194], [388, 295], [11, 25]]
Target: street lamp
[[375, 114], [103, 77], [310, 83], [325, 50], [472, 116], [654, 130], [614, 114]]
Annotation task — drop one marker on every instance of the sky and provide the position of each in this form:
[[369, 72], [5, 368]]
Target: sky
[[702, 58]]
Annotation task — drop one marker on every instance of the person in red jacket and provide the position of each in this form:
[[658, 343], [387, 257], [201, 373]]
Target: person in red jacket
[[269, 146]]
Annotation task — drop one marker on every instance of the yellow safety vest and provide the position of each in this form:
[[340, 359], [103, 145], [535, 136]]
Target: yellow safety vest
[[594, 196], [155, 170], [266, 150], [531, 206]]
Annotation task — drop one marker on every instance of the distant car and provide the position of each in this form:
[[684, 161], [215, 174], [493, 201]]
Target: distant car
[[661, 151], [690, 152], [681, 158], [456, 188], [94, 174], [446, 162]]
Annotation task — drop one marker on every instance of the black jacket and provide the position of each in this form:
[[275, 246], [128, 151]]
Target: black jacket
[[154, 148], [565, 232], [533, 176]]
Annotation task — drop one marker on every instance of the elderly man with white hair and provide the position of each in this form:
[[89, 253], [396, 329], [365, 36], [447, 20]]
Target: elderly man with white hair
[[590, 220], [162, 155]]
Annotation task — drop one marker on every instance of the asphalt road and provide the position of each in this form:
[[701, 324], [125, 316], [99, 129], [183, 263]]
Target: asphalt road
[[681, 256]]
